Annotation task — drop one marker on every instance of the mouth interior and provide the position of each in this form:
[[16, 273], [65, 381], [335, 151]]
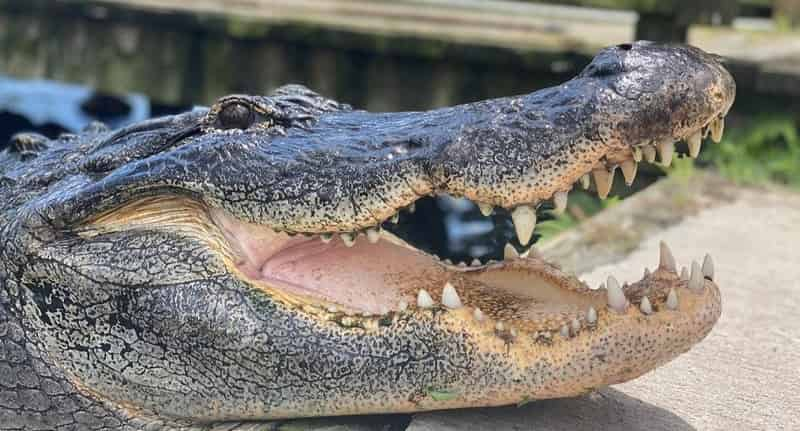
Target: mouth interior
[[387, 274]]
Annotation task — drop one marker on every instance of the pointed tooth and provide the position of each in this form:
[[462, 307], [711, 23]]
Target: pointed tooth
[[448, 261], [591, 316], [462, 264], [348, 238], [524, 217], [629, 171], [575, 326], [616, 297], [666, 260], [694, 142], [373, 235], [500, 326], [560, 202], [696, 278], [645, 307], [586, 181], [717, 127], [685, 274], [532, 252], [486, 209], [332, 309], [603, 180], [564, 331], [665, 150], [649, 153], [475, 262], [395, 218], [708, 267], [637, 154], [509, 252], [477, 314], [411, 208], [513, 332], [326, 237], [672, 299], [450, 297], [402, 305], [424, 299]]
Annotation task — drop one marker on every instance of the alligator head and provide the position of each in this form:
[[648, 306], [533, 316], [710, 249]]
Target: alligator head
[[234, 263]]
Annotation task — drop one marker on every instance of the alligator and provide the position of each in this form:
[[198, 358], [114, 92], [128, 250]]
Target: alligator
[[236, 264]]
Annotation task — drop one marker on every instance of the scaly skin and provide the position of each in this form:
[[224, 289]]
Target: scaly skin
[[132, 295]]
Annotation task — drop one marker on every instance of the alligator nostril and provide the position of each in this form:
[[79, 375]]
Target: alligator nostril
[[625, 46]]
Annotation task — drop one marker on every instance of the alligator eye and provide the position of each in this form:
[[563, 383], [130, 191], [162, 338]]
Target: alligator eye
[[236, 116]]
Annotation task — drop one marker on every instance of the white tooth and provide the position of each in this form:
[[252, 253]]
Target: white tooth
[[411, 208], [326, 237], [645, 307], [665, 150], [373, 235], [616, 297], [564, 331], [685, 274], [560, 202], [629, 171], [348, 238], [462, 264], [448, 261], [384, 310], [649, 153], [450, 297], [717, 127], [402, 306], [696, 279], [332, 309], [395, 218], [424, 299], [509, 252], [591, 316], [672, 299], [603, 180], [486, 209], [478, 314], [708, 267], [524, 217], [532, 252], [500, 326], [475, 262], [576, 326], [586, 181], [666, 260], [513, 332], [637, 154], [694, 142]]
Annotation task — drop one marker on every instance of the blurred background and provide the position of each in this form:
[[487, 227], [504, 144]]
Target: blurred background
[[65, 63]]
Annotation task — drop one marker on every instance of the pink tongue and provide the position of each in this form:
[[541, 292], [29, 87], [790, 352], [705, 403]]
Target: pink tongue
[[366, 277]]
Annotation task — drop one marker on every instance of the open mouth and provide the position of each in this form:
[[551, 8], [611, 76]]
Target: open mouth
[[380, 271]]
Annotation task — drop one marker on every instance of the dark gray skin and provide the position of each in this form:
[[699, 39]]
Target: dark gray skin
[[126, 328]]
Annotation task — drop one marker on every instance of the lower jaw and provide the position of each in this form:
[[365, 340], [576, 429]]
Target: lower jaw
[[494, 366]]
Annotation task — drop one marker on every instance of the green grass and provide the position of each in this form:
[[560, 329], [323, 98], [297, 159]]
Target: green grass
[[765, 151]]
